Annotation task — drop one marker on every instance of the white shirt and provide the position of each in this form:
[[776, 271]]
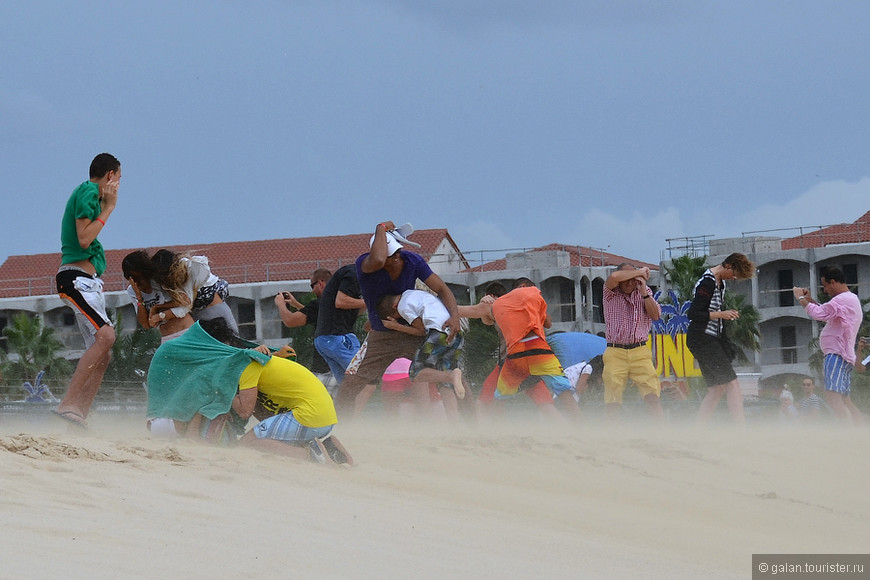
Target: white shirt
[[416, 304]]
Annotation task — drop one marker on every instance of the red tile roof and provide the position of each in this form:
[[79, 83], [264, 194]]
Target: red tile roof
[[580, 256], [237, 262], [856, 232]]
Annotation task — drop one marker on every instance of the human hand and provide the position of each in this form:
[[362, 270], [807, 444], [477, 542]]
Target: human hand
[[109, 193], [388, 225], [644, 273], [729, 315], [488, 299], [800, 292], [286, 351], [263, 349], [451, 327], [136, 289]]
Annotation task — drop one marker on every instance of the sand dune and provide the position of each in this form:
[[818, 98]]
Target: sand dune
[[510, 501]]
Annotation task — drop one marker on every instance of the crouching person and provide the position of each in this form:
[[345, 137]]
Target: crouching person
[[211, 383], [295, 411]]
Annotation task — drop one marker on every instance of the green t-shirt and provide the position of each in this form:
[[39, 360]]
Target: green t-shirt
[[83, 203]]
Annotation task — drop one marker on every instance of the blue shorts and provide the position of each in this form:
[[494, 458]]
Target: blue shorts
[[838, 375], [286, 428], [337, 350]]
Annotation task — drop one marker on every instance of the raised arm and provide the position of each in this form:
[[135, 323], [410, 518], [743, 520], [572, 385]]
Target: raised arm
[[87, 230], [378, 254], [618, 276], [290, 319]]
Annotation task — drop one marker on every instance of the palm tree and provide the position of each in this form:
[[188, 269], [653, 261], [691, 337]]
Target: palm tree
[[684, 273], [37, 349], [743, 332], [131, 354]]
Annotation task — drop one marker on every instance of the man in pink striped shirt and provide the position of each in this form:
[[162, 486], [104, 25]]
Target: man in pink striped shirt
[[842, 316], [629, 310]]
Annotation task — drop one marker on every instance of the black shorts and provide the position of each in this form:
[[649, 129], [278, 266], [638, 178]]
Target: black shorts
[[84, 293], [714, 362]]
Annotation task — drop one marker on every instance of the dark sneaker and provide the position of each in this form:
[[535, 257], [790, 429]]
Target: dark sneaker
[[316, 452], [336, 450]]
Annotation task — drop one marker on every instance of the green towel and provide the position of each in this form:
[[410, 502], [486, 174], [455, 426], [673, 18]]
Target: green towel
[[196, 373]]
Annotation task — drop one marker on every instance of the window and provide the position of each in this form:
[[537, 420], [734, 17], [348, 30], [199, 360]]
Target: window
[[850, 272], [569, 308], [4, 343], [247, 320], [785, 283], [598, 300], [788, 343]]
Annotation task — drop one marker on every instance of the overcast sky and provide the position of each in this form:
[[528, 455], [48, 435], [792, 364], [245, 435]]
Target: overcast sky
[[612, 124]]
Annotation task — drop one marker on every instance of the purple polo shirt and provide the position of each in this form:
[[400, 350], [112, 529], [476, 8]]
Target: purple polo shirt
[[378, 284]]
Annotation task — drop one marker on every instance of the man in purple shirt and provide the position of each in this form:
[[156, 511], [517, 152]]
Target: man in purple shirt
[[389, 269], [842, 315]]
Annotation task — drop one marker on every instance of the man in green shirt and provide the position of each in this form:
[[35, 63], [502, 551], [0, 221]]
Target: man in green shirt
[[78, 282]]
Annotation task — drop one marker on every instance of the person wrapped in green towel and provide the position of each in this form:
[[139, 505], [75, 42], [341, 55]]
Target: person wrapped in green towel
[[211, 383]]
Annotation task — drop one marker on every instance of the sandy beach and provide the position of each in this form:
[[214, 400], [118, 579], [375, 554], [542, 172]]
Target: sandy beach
[[518, 500]]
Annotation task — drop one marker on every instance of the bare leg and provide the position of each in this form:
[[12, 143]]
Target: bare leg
[[569, 404], [654, 405], [88, 376], [458, 385], [551, 413], [392, 402], [435, 376], [362, 399], [345, 400], [734, 399], [710, 402], [835, 401], [451, 405], [857, 415], [419, 394], [493, 410]]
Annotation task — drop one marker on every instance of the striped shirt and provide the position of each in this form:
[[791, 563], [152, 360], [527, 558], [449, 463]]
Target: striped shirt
[[717, 299], [809, 405]]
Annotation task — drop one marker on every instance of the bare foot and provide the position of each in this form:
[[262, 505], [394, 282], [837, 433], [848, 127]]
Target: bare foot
[[458, 387]]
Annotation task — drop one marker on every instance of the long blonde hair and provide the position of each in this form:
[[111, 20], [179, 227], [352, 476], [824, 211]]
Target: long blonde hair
[[173, 274]]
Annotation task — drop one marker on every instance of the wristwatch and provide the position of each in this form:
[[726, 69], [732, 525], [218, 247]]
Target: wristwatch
[[162, 315]]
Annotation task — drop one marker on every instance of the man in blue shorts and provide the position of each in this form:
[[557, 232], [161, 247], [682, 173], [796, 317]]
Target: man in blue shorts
[[842, 315], [340, 305]]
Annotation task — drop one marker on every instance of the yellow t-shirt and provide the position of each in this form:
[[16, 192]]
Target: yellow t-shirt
[[285, 385]]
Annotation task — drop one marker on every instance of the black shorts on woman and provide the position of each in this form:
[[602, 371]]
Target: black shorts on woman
[[712, 357]]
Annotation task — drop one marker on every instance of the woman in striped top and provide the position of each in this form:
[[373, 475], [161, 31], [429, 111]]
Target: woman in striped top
[[707, 340]]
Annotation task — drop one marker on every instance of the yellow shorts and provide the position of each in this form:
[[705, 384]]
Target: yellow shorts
[[622, 364]]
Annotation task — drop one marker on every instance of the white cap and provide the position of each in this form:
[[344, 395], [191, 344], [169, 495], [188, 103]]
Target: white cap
[[402, 232], [393, 244]]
